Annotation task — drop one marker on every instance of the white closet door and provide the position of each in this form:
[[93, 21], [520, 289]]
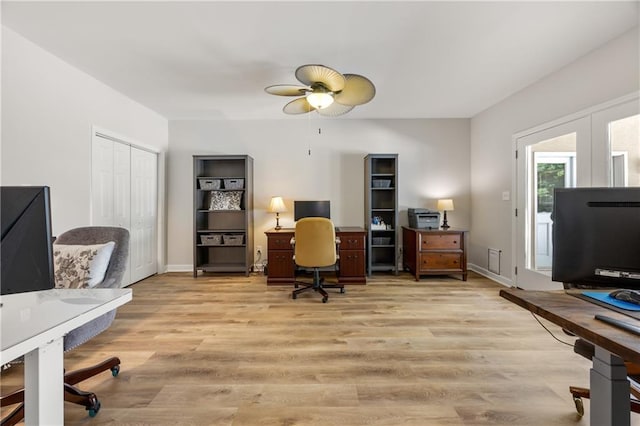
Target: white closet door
[[111, 187], [121, 185], [102, 182], [144, 194]]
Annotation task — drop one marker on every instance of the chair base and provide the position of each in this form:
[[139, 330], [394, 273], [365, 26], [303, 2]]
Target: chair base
[[578, 393], [71, 393], [88, 399], [587, 350], [317, 285]]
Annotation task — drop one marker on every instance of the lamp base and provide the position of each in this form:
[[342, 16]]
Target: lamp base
[[445, 225], [278, 227]]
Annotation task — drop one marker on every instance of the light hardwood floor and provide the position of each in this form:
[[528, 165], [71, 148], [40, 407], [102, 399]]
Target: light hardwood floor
[[222, 350]]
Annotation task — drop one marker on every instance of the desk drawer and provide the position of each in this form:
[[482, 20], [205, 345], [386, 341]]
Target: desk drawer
[[280, 242], [351, 241], [440, 241], [445, 261]]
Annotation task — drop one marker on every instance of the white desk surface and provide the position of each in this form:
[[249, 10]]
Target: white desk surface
[[29, 320]]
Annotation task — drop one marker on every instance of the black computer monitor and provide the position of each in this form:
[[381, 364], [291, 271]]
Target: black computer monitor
[[596, 237], [26, 251], [302, 209]]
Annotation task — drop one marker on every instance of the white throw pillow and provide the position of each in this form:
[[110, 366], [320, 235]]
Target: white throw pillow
[[81, 266]]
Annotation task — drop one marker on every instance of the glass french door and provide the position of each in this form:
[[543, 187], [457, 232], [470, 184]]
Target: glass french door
[[600, 149], [616, 140], [558, 157]]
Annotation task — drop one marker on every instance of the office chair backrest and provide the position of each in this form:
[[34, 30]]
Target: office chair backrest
[[315, 242], [112, 277], [99, 235]]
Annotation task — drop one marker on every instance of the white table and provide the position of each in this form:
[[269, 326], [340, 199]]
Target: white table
[[33, 324]]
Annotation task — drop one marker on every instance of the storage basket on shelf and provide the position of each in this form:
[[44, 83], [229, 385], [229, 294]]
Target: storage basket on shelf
[[233, 183], [381, 241], [209, 184], [233, 239], [211, 239], [381, 183]]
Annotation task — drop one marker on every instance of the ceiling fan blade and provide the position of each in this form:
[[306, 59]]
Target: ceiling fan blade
[[298, 106], [357, 90], [286, 90], [335, 109], [330, 78]]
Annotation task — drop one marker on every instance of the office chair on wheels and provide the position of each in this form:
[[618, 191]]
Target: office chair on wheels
[[315, 246], [587, 350], [112, 279]]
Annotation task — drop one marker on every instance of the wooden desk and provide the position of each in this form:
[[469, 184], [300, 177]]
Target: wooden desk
[[352, 268], [609, 385], [434, 251], [33, 324]]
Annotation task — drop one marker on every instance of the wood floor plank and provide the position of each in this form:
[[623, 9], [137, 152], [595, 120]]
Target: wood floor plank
[[230, 350]]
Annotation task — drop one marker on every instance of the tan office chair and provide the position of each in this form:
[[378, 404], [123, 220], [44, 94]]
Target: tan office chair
[[315, 246], [112, 279]]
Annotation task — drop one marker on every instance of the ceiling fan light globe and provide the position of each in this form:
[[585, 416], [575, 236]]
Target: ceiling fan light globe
[[319, 100]]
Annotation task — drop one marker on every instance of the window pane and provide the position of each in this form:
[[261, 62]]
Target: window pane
[[553, 165], [624, 138]]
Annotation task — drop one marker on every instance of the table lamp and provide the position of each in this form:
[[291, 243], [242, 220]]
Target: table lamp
[[276, 206], [444, 205]]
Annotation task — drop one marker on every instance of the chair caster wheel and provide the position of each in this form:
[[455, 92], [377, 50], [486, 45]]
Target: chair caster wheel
[[295, 286], [115, 370], [294, 296], [579, 405], [324, 299], [93, 411], [341, 289]]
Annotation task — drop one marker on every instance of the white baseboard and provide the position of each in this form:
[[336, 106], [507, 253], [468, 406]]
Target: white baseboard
[[179, 268], [475, 268], [484, 272]]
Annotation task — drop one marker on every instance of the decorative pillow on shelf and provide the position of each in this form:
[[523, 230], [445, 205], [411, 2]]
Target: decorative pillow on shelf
[[81, 266], [225, 200]]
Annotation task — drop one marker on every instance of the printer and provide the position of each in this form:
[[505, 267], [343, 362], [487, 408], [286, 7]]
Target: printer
[[424, 219]]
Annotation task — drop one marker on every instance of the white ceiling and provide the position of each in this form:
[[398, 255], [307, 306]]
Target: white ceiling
[[212, 60]]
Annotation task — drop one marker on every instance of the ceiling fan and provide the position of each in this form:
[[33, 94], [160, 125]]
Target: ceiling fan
[[325, 90]]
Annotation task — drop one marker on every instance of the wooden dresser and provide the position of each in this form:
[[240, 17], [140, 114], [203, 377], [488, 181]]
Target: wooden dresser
[[352, 262], [434, 251]]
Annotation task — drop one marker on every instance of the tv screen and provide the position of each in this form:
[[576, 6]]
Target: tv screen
[[26, 252], [302, 209], [596, 237]]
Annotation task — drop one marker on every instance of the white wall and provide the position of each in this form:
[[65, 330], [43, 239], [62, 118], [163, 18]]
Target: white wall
[[433, 163], [48, 109], [604, 74]]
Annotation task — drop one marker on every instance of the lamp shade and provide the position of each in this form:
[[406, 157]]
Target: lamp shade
[[277, 205], [445, 205]]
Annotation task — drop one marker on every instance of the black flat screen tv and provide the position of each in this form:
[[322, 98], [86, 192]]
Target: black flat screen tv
[[302, 209], [596, 237], [26, 251]]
